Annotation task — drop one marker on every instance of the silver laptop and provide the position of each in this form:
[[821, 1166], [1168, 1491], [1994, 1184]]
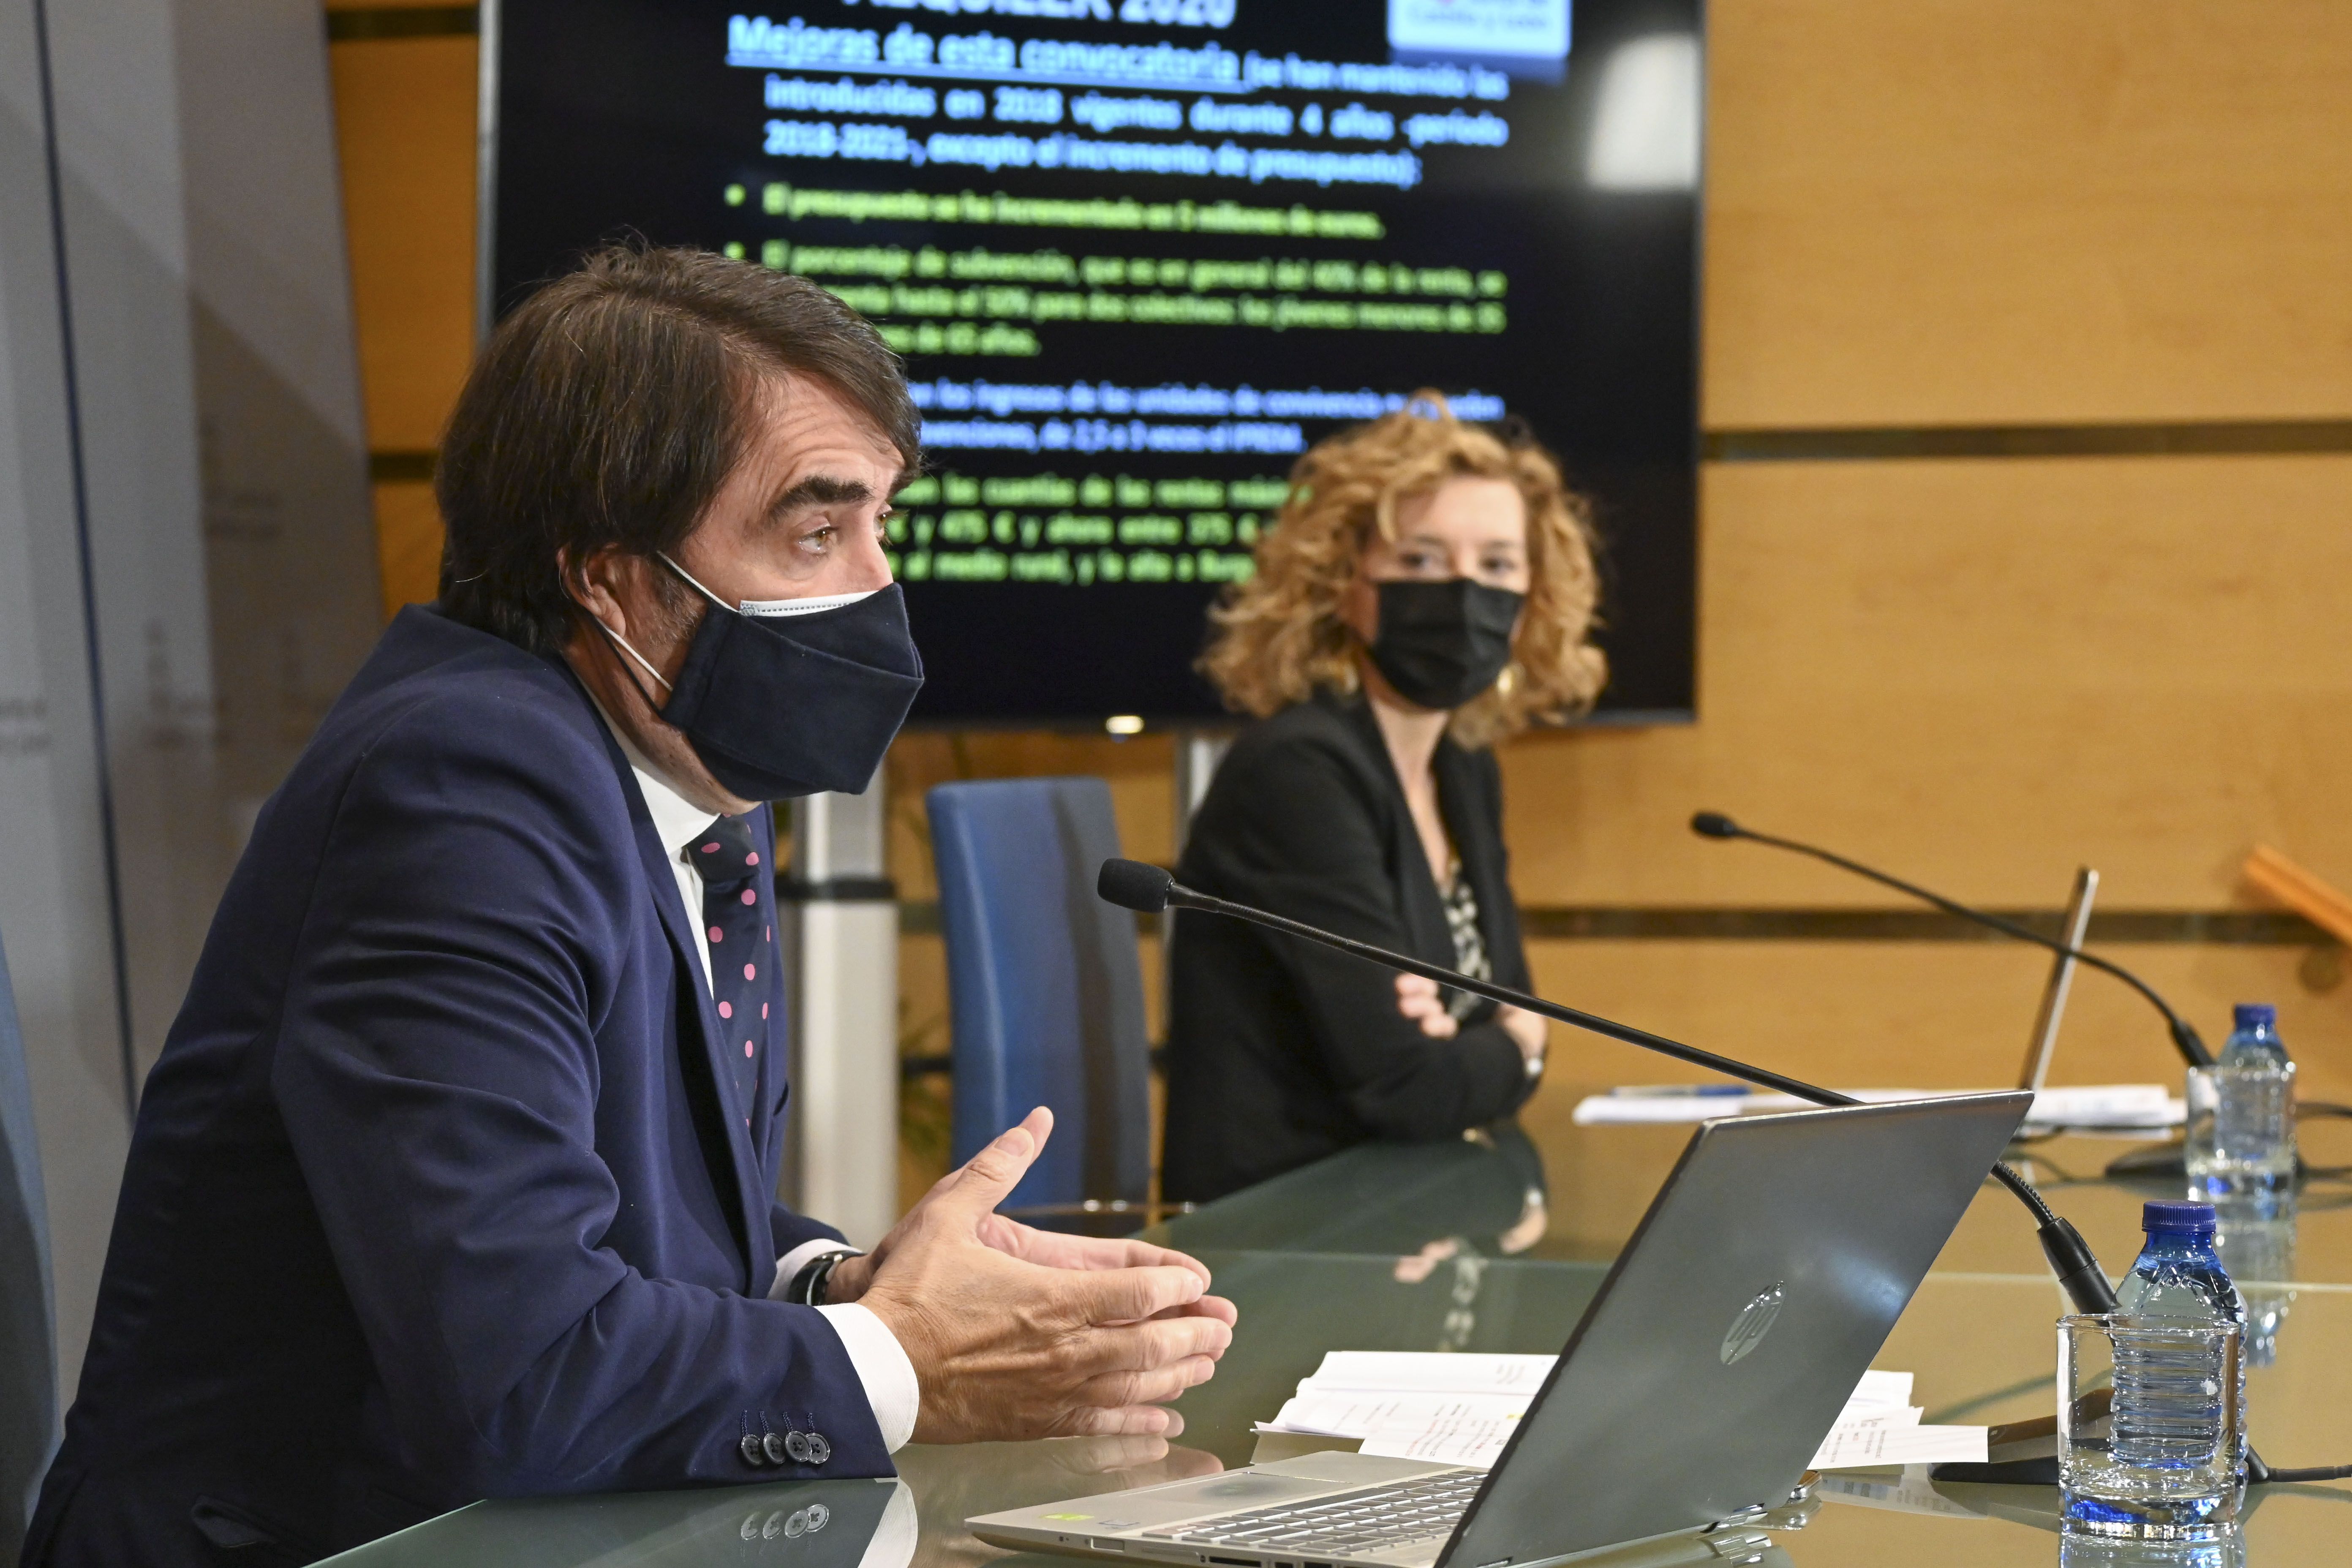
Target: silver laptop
[[1700, 1382], [2071, 930]]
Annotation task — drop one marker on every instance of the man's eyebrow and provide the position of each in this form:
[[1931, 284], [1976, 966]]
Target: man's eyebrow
[[819, 490]]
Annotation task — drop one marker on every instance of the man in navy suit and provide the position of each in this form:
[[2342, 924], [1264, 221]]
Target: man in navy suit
[[454, 1178]]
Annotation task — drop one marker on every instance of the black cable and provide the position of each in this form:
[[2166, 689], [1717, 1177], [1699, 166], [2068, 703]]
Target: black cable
[[2192, 1046], [1146, 889]]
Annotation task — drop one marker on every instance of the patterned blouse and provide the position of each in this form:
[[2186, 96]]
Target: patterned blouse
[[1469, 943]]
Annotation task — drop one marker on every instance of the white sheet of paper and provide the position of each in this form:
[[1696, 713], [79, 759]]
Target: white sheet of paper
[[1463, 1408], [1428, 1372], [1374, 1413], [2075, 1105], [1477, 1440], [1848, 1447], [1880, 1388], [1878, 1416]]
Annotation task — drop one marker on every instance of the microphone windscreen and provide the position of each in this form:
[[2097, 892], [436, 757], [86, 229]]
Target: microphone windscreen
[[1713, 824], [1132, 885]]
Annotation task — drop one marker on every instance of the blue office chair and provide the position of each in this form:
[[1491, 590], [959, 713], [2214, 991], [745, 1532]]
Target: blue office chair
[[1044, 990], [28, 1356]]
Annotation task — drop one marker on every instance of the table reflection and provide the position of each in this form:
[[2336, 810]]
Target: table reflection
[[793, 1524], [1485, 1194], [2256, 1236], [1467, 1246]]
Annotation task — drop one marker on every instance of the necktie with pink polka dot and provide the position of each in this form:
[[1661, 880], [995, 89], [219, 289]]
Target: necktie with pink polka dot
[[741, 932]]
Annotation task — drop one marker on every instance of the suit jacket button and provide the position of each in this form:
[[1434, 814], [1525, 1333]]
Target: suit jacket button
[[797, 1444], [819, 1451], [777, 1447], [753, 1452]]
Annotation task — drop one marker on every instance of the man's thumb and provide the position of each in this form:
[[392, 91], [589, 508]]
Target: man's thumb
[[998, 1169]]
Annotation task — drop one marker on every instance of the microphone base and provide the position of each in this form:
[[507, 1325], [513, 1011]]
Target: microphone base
[[2042, 1472], [2154, 1163], [2168, 1163]]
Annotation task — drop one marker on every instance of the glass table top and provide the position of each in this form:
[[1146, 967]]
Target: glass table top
[[1494, 1245]]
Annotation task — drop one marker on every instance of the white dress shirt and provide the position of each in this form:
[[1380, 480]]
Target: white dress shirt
[[879, 1359]]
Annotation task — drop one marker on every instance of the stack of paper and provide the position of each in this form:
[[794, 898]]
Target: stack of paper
[[2140, 1106], [1455, 1409], [1880, 1426], [1462, 1410]]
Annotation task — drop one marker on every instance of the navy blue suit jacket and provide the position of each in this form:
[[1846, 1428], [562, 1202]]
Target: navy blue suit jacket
[[438, 1191]]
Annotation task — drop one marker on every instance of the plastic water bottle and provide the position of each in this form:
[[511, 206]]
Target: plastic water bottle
[[2160, 1407], [2253, 1109]]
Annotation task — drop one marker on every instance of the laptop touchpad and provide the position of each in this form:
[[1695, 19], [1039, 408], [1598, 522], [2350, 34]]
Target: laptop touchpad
[[1217, 1494]]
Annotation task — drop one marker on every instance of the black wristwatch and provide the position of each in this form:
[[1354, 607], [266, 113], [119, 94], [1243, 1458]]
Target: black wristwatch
[[808, 1286]]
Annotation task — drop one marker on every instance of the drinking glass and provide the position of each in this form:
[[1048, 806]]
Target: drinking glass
[[2240, 1138], [2148, 1427]]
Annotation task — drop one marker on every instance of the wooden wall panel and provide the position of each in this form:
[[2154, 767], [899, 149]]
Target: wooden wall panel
[[2026, 211], [405, 111], [1982, 674], [408, 544], [1880, 1014]]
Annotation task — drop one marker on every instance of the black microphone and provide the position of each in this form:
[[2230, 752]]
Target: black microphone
[[1714, 824], [1148, 889]]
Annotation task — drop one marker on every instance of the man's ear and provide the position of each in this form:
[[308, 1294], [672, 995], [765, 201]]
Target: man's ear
[[593, 582]]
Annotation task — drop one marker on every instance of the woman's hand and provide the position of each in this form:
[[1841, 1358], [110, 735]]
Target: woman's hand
[[1528, 1031], [1417, 999]]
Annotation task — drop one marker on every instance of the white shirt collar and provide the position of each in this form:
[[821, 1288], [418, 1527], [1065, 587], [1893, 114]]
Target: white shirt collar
[[677, 821]]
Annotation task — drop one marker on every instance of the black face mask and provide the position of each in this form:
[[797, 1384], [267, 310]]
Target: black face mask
[[788, 706], [1442, 644]]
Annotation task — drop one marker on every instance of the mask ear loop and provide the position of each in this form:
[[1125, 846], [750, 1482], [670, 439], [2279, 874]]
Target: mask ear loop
[[663, 556], [618, 641]]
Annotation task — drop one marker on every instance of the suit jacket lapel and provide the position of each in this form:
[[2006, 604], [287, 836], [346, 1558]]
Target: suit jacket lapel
[[747, 1205], [1422, 903], [750, 1205]]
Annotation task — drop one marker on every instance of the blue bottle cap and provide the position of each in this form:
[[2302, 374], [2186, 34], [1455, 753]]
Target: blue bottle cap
[[2256, 1015], [2171, 1216]]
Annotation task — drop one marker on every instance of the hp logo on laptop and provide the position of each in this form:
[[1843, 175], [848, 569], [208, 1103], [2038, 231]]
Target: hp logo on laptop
[[1755, 1321]]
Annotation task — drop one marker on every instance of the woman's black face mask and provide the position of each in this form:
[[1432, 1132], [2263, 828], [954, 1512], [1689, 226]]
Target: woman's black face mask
[[1442, 644], [783, 706]]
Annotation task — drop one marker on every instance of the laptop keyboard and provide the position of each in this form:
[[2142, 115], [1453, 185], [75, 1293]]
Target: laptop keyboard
[[1374, 1520]]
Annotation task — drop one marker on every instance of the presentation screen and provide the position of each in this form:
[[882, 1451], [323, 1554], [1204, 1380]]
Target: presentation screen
[[1139, 255]]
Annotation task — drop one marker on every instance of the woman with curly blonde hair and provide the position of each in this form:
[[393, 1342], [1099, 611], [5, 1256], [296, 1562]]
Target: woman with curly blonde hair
[[1429, 588]]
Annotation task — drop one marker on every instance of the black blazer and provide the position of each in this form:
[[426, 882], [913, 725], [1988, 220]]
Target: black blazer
[[1281, 1051]]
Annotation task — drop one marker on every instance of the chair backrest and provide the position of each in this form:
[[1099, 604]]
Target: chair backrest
[[1045, 988], [28, 1356]]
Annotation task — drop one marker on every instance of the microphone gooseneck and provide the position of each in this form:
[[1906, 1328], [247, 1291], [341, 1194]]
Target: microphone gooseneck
[[2185, 1039], [1147, 890]]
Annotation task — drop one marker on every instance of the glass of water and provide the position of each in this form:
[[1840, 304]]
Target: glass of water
[[2148, 1427], [2241, 1132]]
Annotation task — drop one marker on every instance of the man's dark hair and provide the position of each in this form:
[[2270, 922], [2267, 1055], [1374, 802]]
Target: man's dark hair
[[610, 407]]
